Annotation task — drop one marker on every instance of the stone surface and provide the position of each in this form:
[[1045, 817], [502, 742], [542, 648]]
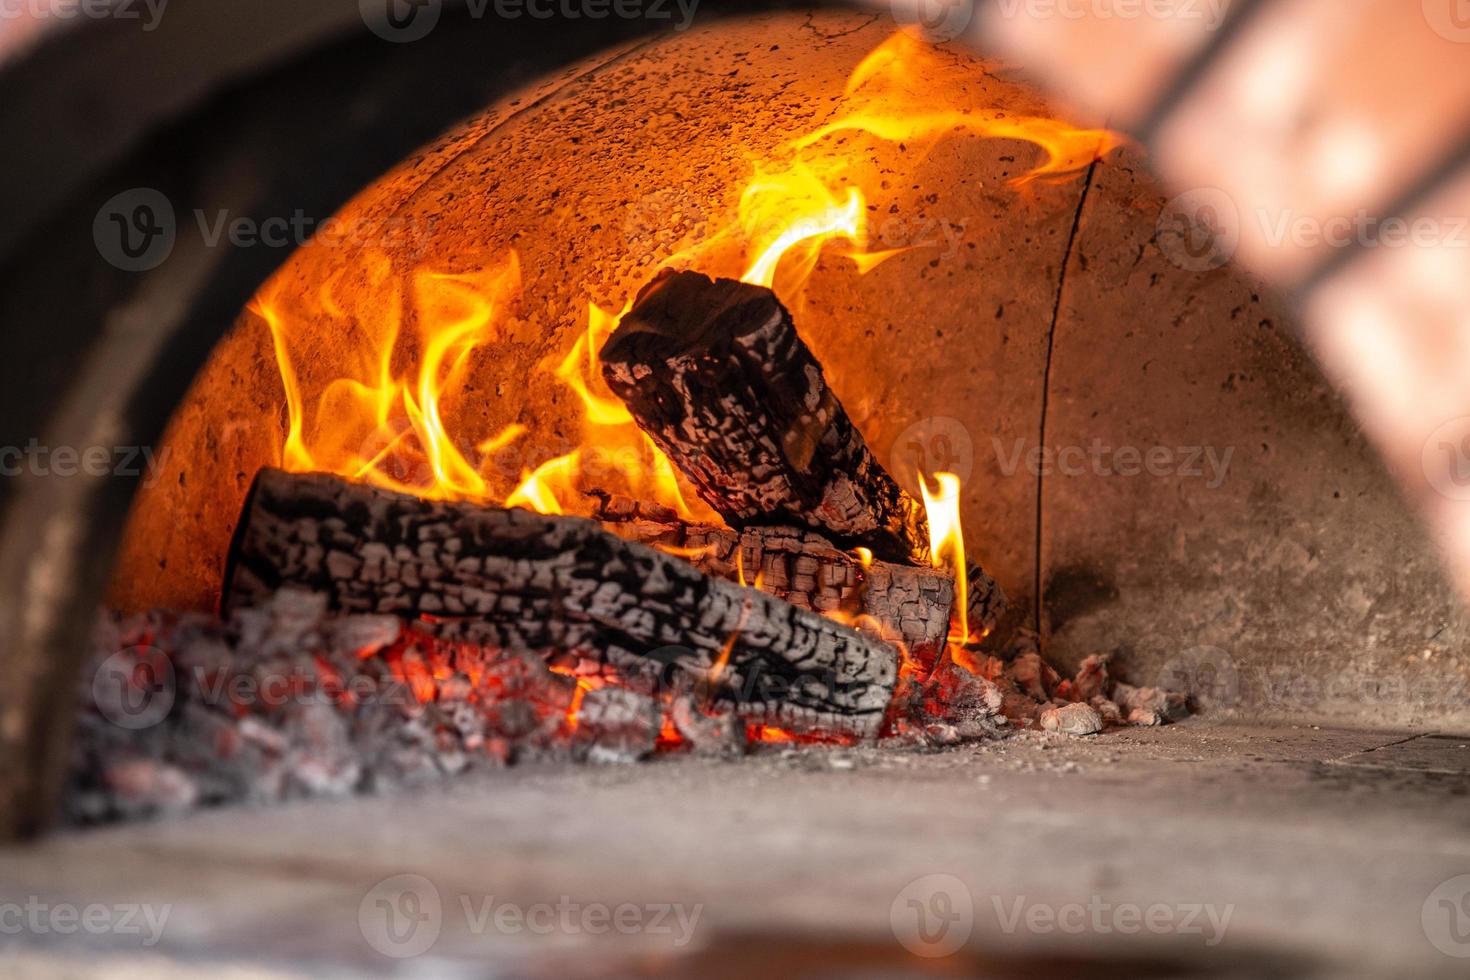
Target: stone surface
[[1285, 579], [1072, 719], [1325, 864]]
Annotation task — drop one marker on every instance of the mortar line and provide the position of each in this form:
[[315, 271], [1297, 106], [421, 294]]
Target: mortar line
[[1051, 334]]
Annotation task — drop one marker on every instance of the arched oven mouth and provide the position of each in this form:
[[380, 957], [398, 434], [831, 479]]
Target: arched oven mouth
[[628, 407], [509, 495], [787, 330]]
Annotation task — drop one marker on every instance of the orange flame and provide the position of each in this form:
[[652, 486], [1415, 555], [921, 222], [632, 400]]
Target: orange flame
[[811, 194], [890, 95], [580, 366], [383, 424], [374, 422], [717, 669], [782, 211], [690, 551], [947, 544], [409, 337], [538, 490]]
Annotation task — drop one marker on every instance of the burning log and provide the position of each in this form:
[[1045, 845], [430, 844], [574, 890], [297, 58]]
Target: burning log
[[891, 601], [714, 372], [527, 582]]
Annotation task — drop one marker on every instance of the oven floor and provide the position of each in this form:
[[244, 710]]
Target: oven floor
[[1325, 849]]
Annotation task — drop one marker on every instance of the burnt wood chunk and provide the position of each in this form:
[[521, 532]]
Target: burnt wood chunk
[[986, 600], [526, 582], [893, 602], [714, 371]]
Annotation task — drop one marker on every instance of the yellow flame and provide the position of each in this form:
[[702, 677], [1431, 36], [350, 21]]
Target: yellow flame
[[389, 409], [501, 439], [947, 543], [580, 366], [890, 95], [690, 552], [372, 421], [782, 211], [615, 454], [538, 490], [381, 423], [760, 575]]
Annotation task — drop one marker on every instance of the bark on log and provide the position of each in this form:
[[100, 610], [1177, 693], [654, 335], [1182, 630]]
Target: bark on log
[[913, 605], [715, 373], [891, 602], [527, 582]]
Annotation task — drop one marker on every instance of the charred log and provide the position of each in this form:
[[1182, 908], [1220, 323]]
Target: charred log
[[986, 601], [715, 373], [527, 582], [890, 600]]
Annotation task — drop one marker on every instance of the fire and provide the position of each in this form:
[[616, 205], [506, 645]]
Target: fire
[[538, 490], [782, 211], [811, 194], [383, 419], [377, 363], [768, 734], [614, 452], [947, 544], [574, 707], [891, 96], [580, 366], [378, 421], [407, 340]]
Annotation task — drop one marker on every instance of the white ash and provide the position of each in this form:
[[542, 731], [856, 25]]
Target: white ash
[[617, 725], [286, 700], [707, 730]]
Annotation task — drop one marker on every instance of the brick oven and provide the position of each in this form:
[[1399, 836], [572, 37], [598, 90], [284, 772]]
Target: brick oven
[[679, 491]]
